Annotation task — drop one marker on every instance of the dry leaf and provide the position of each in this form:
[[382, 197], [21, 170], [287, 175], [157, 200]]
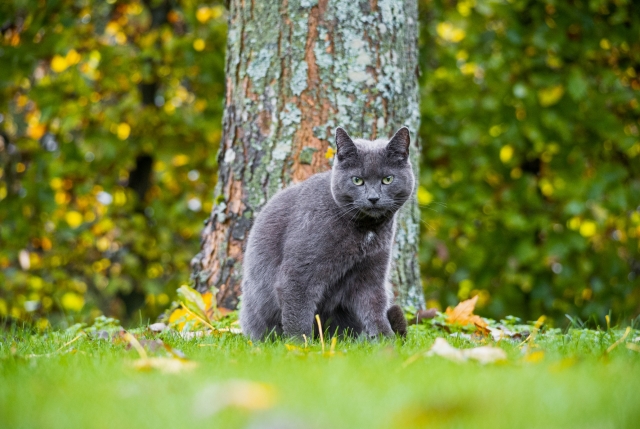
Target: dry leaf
[[502, 332], [484, 354], [241, 394], [165, 364], [193, 301], [157, 327], [197, 310], [534, 356], [463, 315]]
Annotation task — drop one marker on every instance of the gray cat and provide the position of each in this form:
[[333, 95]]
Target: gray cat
[[323, 246]]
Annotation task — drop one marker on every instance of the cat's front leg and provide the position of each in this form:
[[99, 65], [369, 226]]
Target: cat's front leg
[[369, 296], [298, 305], [373, 314]]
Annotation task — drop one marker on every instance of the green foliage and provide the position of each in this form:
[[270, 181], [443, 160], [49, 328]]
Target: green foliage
[[111, 117], [110, 122], [530, 131]]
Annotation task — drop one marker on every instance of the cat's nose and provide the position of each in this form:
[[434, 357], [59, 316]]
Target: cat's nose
[[374, 200]]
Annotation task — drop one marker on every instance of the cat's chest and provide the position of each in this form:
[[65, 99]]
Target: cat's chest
[[368, 242]]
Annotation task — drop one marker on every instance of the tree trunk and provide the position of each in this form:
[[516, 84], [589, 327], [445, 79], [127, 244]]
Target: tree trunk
[[295, 71]]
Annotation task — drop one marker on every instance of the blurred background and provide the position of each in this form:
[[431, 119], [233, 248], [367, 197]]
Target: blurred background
[[110, 119]]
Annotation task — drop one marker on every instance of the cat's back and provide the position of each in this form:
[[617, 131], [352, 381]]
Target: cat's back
[[293, 201], [284, 212]]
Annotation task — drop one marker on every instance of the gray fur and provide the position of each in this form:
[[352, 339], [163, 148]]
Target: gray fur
[[322, 247]]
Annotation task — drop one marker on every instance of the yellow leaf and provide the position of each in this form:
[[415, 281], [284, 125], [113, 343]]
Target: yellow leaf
[[73, 57], [165, 364], [198, 45], [192, 299], [72, 301], [246, 395], [424, 196], [180, 160], [588, 228], [119, 197], [73, 218], [203, 14], [59, 64], [448, 32], [55, 183], [292, 348], [178, 318], [468, 68], [550, 96], [330, 152], [534, 357], [217, 11], [36, 131], [506, 153], [463, 315], [123, 131]]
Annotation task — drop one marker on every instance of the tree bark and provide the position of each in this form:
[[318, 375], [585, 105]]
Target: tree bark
[[295, 71]]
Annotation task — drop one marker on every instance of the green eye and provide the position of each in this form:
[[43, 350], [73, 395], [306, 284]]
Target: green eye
[[387, 180], [357, 181]]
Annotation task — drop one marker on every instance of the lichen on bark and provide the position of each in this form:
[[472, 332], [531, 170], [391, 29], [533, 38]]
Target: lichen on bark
[[296, 70]]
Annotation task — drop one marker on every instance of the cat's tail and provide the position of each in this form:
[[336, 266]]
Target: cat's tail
[[397, 320]]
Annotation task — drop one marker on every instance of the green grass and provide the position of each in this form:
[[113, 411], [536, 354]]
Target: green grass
[[91, 383]]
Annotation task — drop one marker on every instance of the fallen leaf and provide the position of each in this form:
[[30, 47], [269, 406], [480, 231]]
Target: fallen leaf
[[179, 318], [484, 354], [463, 315], [193, 301], [157, 327], [534, 357], [246, 395], [292, 348], [165, 364], [502, 332]]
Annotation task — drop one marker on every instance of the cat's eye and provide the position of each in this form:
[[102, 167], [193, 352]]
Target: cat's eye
[[357, 181], [387, 180]]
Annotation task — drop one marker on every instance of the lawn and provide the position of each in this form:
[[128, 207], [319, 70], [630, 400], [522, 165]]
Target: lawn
[[577, 378]]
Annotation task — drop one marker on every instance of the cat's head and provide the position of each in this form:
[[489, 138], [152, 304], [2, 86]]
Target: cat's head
[[372, 178]]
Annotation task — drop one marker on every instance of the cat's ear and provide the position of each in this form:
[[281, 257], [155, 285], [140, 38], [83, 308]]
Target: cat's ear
[[346, 146], [398, 146]]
